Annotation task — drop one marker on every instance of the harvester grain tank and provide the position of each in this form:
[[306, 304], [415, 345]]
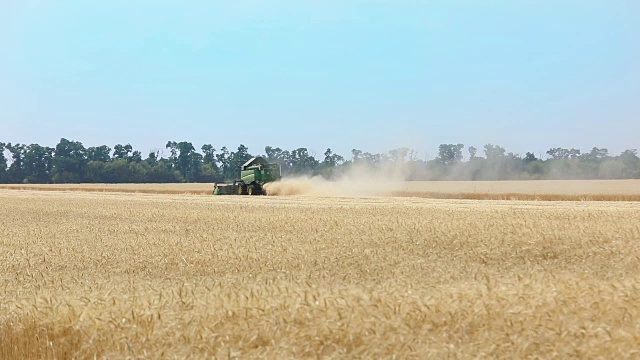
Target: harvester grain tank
[[253, 175]]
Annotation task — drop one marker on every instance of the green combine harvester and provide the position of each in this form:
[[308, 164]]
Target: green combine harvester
[[253, 175]]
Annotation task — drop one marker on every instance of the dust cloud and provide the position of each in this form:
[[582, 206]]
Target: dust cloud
[[357, 181]]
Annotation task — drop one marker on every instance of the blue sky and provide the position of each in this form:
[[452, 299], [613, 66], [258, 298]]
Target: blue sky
[[372, 75]]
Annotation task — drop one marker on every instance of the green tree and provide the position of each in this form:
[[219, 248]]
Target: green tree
[[563, 154], [16, 171], [38, 163], [472, 152], [152, 158], [224, 159], [185, 160], [535, 168], [173, 147], [597, 154], [302, 162], [280, 157], [529, 157], [209, 154], [210, 170], [195, 168], [557, 153], [493, 152], [117, 171], [276, 155], [450, 153], [121, 152], [99, 153], [69, 160], [331, 159], [611, 169], [399, 155], [138, 171], [136, 157], [574, 153], [631, 163], [236, 159], [3, 164], [356, 155], [162, 173], [95, 172], [374, 159], [209, 174]]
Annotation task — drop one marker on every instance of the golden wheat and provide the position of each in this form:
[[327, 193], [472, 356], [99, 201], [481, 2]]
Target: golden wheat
[[150, 276]]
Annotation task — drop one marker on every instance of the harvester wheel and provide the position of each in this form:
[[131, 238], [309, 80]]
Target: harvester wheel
[[242, 189], [251, 190]]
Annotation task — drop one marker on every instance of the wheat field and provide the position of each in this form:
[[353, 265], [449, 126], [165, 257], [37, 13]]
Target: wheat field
[[115, 275]]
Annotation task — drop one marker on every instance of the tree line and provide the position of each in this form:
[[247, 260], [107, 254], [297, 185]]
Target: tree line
[[72, 162]]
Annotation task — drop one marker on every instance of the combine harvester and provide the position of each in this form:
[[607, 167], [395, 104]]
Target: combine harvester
[[253, 175]]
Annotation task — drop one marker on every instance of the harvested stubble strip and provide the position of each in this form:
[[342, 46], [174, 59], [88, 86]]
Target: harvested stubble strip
[[518, 196], [418, 194], [109, 189]]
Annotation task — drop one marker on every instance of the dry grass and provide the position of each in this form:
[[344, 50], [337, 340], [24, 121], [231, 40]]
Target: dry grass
[[546, 190], [150, 276]]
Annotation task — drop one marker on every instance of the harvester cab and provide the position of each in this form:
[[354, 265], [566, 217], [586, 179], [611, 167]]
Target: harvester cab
[[253, 175]]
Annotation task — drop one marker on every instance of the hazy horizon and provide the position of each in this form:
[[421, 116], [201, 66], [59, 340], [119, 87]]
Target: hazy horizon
[[371, 75]]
